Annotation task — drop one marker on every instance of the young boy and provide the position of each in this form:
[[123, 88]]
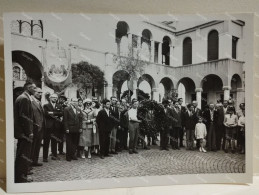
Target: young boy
[[200, 134]]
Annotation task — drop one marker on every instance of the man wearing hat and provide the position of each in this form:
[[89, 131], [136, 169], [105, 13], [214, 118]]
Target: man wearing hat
[[53, 113]]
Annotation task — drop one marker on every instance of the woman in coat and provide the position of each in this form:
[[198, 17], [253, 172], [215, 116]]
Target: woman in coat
[[86, 137]]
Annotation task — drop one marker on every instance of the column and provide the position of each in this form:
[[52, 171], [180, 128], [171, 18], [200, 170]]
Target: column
[[152, 51], [198, 96], [109, 91], [139, 42], [226, 92], [134, 90], [171, 57], [130, 41], [155, 92], [159, 53]]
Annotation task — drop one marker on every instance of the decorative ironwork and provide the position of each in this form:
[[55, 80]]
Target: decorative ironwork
[[28, 28]]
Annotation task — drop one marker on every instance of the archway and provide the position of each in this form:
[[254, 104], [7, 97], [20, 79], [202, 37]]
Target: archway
[[146, 83], [166, 50], [213, 45], [165, 88], [212, 89], [187, 51], [146, 45], [122, 37], [25, 67], [186, 90], [118, 80]]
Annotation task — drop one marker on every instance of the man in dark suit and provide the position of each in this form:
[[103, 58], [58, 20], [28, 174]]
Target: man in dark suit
[[177, 125], [189, 126], [210, 119], [53, 112], [182, 110], [115, 123], [73, 128], [23, 132], [38, 126], [167, 125], [220, 125], [103, 121]]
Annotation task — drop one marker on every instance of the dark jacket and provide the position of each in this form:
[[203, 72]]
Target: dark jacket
[[207, 118], [39, 118], [114, 115], [176, 118], [189, 121], [197, 114], [72, 120], [53, 121], [103, 121], [23, 116], [167, 117], [221, 116]]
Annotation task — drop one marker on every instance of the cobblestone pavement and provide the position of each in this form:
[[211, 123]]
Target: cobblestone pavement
[[146, 163]]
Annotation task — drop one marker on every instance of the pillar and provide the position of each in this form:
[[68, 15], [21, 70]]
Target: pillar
[[109, 91], [159, 53], [152, 51], [198, 96], [130, 41], [155, 92], [226, 92], [134, 89]]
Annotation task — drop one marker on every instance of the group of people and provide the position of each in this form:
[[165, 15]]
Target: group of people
[[89, 127]]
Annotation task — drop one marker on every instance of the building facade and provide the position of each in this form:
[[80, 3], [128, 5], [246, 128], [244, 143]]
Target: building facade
[[203, 62]]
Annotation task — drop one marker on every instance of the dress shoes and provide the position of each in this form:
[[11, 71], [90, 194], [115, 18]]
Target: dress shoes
[[101, 156], [135, 151], [37, 164], [113, 152], [55, 158], [45, 160], [62, 153], [108, 155], [130, 152]]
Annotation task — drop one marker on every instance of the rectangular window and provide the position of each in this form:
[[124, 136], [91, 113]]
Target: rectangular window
[[234, 47], [156, 52]]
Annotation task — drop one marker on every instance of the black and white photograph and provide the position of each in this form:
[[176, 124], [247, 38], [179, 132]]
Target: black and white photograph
[[127, 100]]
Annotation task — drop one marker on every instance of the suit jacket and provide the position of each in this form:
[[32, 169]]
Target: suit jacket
[[207, 117], [23, 116], [103, 121], [39, 118], [221, 116], [197, 114], [167, 118], [176, 118], [189, 121], [53, 121], [114, 115], [72, 120]]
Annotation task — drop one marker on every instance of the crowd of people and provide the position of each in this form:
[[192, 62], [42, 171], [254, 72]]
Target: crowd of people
[[89, 127]]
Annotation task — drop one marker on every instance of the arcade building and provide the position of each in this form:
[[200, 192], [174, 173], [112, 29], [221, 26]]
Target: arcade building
[[203, 62]]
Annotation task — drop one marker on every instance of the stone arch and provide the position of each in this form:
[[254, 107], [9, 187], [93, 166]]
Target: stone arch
[[168, 87], [118, 78], [186, 89], [31, 65], [212, 87]]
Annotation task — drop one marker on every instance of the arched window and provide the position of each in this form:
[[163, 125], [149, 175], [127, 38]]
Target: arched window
[[166, 50], [213, 45], [187, 51], [121, 33], [16, 73]]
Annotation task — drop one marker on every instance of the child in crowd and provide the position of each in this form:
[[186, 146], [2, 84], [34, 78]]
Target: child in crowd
[[200, 134]]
